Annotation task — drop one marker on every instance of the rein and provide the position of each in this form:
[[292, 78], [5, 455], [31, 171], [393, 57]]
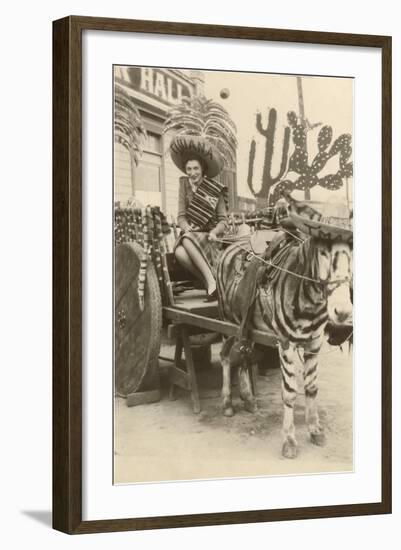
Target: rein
[[324, 283]]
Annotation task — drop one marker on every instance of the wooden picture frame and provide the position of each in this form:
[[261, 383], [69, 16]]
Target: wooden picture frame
[[67, 273]]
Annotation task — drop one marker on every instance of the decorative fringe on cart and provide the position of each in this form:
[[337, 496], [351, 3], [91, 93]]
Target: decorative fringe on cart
[[149, 228]]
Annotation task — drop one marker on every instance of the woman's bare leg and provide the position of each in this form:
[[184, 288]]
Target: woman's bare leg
[[200, 263], [183, 258]]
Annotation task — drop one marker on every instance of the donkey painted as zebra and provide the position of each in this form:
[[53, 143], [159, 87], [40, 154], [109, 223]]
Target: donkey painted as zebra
[[294, 302]]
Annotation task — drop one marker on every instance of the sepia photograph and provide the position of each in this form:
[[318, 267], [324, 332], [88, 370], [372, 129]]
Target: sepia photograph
[[233, 274]]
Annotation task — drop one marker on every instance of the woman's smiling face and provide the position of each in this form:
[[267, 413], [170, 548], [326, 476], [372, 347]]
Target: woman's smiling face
[[193, 170]]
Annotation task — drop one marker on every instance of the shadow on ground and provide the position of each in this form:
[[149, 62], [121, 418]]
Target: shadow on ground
[[40, 516]]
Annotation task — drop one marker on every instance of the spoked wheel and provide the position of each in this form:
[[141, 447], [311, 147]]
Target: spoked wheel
[[137, 332]]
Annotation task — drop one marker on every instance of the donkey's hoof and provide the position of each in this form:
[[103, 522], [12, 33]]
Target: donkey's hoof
[[318, 439], [228, 411], [251, 406], [290, 449]]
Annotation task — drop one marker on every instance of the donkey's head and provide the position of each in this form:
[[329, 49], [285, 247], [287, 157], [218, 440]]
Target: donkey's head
[[333, 250], [334, 270]]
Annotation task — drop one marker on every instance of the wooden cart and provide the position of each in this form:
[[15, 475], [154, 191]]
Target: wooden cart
[[148, 300]]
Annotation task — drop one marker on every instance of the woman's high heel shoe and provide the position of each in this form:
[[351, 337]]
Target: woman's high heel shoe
[[212, 297]]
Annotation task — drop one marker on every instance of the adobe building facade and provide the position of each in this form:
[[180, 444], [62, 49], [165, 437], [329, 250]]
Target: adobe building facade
[[155, 179]]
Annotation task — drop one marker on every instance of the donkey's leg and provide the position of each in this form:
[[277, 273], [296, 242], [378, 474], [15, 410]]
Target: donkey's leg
[[245, 389], [226, 389], [311, 388], [289, 394]]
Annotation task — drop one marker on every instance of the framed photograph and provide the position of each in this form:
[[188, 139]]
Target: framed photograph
[[221, 275]]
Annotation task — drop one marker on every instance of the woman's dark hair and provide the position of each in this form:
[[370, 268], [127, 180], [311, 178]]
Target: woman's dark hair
[[198, 159]]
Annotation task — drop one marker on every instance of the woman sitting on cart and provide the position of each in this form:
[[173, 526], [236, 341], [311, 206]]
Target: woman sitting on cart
[[202, 208]]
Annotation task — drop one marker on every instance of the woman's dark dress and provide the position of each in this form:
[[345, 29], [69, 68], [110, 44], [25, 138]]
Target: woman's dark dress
[[200, 236]]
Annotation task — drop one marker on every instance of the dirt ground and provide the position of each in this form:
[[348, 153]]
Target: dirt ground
[[167, 441]]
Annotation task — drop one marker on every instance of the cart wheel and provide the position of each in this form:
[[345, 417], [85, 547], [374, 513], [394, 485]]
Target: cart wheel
[[137, 333]]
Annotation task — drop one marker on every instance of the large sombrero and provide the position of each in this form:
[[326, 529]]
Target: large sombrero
[[331, 224], [186, 147]]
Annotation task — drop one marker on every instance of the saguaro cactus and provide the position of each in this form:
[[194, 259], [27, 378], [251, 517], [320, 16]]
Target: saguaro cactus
[[268, 180], [309, 173]]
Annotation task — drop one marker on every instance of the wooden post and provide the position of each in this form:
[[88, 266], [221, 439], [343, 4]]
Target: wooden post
[[301, 107], [177, 363], [135, 219], [174, 225], [144, 261], [139, 222], [347, 193], [167, 288], [191, 369], [157, 238]]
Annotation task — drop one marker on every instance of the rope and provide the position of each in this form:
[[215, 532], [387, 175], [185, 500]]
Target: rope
[[271, 264], [292, 235], [337, 283]]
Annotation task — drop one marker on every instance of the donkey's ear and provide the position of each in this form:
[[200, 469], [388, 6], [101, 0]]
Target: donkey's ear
[[301, 208], [287, 196]]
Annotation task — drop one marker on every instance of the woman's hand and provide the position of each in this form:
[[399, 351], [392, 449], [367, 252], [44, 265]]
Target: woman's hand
[[212, 236]]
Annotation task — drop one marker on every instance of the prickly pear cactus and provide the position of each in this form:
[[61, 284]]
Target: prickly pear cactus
[[308, 174]]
